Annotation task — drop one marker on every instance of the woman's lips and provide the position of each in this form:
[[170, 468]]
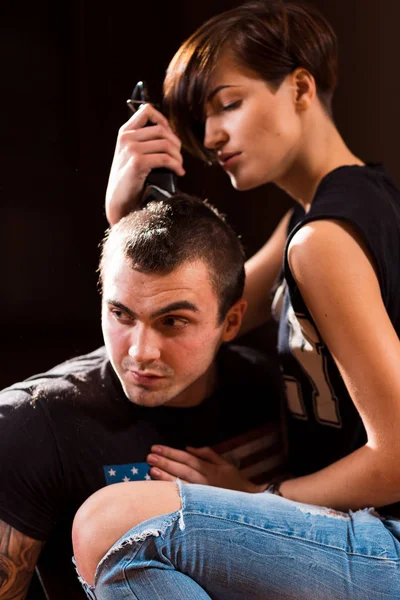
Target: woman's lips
[[228, 159]]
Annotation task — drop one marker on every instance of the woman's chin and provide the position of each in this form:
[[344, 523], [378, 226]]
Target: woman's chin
[[244, 185], [239, 184]]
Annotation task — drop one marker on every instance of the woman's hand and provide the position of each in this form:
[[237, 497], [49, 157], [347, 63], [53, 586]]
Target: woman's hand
[[139, 149], [198, 465]]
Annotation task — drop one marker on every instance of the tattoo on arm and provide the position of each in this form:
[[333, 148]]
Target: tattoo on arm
[[18, 558]]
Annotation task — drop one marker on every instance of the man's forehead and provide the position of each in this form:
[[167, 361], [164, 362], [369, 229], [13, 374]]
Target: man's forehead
[[190, 280]]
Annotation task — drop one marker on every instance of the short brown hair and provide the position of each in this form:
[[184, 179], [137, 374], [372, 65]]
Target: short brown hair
[[165, 234], [271, 37]]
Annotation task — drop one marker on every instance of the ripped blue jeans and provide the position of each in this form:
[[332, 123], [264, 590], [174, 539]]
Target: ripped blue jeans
[[228, 545]]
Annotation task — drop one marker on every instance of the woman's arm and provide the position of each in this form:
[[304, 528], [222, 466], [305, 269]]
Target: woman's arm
[[338, 283], [262, 270]]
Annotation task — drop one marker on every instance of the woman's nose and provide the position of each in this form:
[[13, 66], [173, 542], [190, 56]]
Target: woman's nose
[[214, 134]]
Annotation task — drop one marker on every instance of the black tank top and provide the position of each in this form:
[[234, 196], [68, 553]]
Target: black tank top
[[323, 423]]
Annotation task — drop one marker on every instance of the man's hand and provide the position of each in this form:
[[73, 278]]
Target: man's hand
[[198, 465], [140, 149]]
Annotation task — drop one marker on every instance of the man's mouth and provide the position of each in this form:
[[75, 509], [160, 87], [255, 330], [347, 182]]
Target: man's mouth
[[145, 377]]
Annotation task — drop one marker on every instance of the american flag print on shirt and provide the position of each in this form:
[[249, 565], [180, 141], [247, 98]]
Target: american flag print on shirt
[[128, 472], [258, 454]]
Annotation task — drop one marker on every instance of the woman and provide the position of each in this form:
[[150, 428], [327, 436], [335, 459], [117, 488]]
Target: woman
[[252, 90]]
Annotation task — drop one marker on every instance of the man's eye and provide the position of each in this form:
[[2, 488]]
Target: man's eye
[[119, 315], [175, 322]]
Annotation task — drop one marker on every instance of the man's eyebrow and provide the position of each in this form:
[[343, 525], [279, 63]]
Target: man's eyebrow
[[216, 90], [121, 306], [181, 305]]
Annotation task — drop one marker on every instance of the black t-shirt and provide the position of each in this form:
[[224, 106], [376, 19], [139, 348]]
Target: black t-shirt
[[66, 433], [323, 423]]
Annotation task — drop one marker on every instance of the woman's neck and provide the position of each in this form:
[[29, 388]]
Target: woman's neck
[[322, 150]]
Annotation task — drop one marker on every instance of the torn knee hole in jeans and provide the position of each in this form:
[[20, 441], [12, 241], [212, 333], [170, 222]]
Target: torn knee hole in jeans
[[143, 535], [129, 540]]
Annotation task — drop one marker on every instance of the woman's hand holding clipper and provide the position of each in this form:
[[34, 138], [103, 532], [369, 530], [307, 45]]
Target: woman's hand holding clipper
[[145, 142]]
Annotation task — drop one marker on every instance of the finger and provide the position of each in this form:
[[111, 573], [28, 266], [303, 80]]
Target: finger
[[145, 113], [173, 453], [161, 152], [207, 454], [159, 146], [154, 132], [174, 470], [192, 472], [161, 475], [161, 160]]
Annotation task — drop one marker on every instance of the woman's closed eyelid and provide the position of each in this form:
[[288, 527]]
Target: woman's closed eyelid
[[231, 105], [218, 105]]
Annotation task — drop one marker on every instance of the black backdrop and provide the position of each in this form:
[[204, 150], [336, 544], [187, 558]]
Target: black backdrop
[[67, 69]]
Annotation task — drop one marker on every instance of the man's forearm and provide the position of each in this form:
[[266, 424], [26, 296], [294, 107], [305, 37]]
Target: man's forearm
[[18, 558], [361, 479]]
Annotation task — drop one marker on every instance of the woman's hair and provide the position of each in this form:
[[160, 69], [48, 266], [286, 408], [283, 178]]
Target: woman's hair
[[165, 234], [271, 37]]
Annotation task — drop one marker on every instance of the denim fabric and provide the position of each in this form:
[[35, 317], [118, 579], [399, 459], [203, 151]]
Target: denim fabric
[[232, 545]]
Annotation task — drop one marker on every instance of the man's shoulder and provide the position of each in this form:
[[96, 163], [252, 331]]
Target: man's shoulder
[[249, 390], [45, 424], [71, 377], [244, 364], [242, 353]]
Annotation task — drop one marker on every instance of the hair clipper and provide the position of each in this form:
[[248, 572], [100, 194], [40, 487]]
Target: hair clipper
[[160, 183]]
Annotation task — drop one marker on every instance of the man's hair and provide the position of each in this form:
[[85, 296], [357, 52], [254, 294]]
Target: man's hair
[[165, 234], [270, 37]]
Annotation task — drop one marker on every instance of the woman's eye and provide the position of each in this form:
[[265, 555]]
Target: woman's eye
[[232, 105]]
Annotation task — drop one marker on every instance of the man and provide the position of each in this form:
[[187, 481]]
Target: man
[[172, 279]]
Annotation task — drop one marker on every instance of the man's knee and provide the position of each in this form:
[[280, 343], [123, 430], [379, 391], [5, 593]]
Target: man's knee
[[110, 512]]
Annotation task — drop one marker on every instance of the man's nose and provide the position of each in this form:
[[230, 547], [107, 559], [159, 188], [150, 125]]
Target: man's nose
[[214, 134], [145, 345]]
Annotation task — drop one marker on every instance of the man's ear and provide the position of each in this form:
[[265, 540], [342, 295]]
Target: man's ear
[[304, 88], [233, 320]]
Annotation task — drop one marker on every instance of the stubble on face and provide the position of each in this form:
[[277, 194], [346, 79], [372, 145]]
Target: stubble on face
[[183, 367]]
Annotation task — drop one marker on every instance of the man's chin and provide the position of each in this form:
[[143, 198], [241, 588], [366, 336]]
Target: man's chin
[[149, 399]]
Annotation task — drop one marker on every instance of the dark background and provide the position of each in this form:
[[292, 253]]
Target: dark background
[[67, 70]]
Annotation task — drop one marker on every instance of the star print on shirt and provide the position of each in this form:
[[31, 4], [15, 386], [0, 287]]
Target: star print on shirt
[[127, 472]]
